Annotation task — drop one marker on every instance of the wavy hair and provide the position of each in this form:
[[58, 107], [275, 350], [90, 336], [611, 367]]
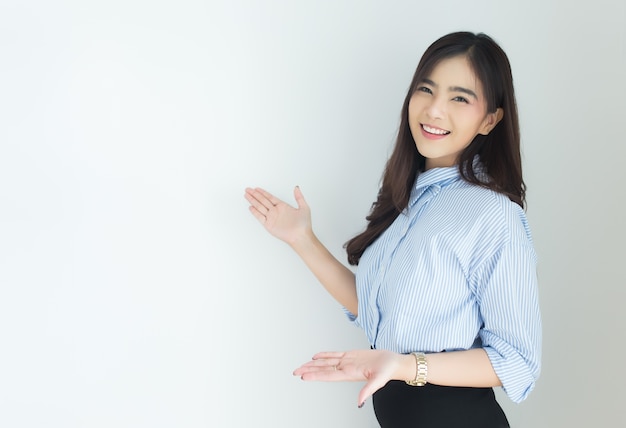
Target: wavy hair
[[499, 151]]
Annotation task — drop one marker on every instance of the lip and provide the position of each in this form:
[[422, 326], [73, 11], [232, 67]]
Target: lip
[[433, 136]]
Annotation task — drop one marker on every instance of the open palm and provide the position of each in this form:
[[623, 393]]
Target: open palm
[[280, 219]]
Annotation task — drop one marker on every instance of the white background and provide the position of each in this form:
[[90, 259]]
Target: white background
[[135, 288]]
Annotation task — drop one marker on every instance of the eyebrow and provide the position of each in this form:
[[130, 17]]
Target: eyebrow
[[452, 88]]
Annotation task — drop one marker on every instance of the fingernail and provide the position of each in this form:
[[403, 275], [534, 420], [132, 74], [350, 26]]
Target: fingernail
[[362, 404]]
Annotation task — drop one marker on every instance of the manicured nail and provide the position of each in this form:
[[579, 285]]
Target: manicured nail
[[362, 404]]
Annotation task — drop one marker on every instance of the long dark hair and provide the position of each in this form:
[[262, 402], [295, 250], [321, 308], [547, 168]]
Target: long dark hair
[[499, 151]]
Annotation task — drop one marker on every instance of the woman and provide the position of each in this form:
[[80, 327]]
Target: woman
[[445, 286]]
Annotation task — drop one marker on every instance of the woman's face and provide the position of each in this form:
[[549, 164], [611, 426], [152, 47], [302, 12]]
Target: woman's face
[[447, 110]]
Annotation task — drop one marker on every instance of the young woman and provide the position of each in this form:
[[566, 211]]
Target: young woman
[[445, 285]]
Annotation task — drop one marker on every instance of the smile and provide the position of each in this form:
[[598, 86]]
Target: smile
[[436, 131]]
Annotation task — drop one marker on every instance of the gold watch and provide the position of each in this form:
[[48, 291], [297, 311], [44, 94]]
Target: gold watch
[[422, 370]]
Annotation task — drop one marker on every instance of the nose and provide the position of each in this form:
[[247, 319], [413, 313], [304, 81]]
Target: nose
[[436, 109]]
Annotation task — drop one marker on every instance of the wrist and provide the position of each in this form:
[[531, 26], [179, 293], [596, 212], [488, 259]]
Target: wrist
[[303, 241], [421, 370], [406, 368]]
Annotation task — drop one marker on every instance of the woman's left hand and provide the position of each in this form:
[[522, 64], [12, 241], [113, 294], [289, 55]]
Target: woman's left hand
[[376, 367]]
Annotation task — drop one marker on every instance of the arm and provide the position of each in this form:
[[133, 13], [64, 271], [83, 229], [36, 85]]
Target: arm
[[509, 306], [471, 368], [293, 226], [461, 368]]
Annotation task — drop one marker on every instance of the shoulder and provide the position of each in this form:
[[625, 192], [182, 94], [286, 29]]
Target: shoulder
[[487, 210]]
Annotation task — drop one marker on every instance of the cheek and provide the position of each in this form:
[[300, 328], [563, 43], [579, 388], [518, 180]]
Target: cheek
[[413, 109]]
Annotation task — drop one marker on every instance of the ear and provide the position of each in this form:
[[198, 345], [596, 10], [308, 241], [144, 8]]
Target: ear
[[491, 121]]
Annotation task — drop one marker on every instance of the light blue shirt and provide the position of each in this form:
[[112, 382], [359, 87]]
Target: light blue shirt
[[456, 270]]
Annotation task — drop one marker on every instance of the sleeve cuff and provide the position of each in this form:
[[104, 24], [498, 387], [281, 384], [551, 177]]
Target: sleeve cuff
[[516, 377], [351, 317]]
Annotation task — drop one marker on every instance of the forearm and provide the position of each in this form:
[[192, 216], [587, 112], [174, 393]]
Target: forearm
[[336, 278], [460, 368]]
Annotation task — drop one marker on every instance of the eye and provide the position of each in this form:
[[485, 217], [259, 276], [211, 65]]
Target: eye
[[461, 100], [424, 89]]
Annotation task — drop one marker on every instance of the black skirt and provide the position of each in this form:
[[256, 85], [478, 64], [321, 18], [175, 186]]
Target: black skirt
[[398, 405]]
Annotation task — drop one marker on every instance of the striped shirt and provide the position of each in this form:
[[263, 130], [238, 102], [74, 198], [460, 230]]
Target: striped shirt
[[456, 270]]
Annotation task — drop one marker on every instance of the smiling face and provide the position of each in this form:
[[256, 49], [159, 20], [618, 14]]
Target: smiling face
[[447, 110]]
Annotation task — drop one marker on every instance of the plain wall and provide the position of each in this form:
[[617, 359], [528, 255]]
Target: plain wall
[[137, 291]]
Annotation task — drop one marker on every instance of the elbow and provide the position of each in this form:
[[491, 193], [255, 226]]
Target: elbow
[[518, 374]]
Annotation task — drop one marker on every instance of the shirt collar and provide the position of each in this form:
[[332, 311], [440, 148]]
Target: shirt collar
[[436, 176], [441, 177]]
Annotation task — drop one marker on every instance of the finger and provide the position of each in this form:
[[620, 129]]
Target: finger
[[267, 199], [323, 355], [325, 375], [260, 199], [255, 205], [325, 363], [303, 370], [260, 217], [297, 193]]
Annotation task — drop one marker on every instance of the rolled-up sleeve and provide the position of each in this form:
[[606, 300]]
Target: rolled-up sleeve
[[351, 317], [511, 334]]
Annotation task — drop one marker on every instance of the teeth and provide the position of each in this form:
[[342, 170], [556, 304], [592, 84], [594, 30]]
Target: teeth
[[435, 130]]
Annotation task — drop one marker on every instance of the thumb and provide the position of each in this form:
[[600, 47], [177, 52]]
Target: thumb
[[368, 390], [297, 193]]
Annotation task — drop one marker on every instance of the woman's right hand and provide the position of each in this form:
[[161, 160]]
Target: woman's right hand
[[280, 219]]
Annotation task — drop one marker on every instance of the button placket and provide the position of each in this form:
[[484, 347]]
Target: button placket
[[407, 219], [389, 251], [427, 195]]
